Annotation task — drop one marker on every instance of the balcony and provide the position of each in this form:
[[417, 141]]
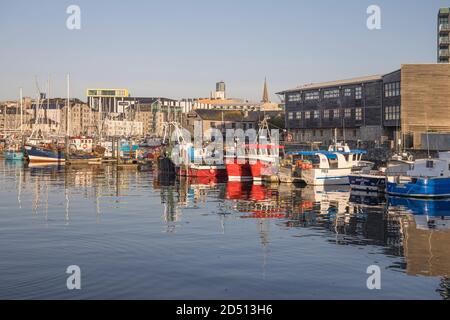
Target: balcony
[[444, 27], [444, 53], [444, 41]]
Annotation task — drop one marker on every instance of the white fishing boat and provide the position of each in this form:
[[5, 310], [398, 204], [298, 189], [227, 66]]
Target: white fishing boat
[[331, 167]]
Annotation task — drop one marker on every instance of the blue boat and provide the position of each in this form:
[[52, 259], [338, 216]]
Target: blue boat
[[14, 155], [428, 178], [38, 154], [368, 182]]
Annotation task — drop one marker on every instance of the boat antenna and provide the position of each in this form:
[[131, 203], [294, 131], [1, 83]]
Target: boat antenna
[[428, 137]]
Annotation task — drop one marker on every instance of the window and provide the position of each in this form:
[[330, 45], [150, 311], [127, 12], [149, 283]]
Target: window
[[321, 133], [295, 97], [314, 95], [354, 133], [298, 115], [250, 125], [358, 93], [326, 114], [233, 125], [358, 114], [348, 113], [392, 113], [348, 92], [213, 124], [336, 113], [430, 164], [307, 114], [291, 115], [392, 89], [316, 114], [327, 94]]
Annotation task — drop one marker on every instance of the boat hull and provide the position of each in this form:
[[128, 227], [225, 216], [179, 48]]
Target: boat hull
[[421, 188], [260, 168], [325, 177], [40, 155], [207, 171], [368, 183], [238, 171]]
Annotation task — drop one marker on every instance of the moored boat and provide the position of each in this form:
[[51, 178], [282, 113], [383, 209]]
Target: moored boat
[[428, 178], [42, 154], [369, 182], [329, 167]]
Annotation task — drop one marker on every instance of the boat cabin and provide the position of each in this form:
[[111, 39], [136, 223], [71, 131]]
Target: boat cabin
[[83, 144], [432, 168]]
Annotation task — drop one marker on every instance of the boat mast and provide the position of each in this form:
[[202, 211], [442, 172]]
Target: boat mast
[[68, 107], [21, 112]]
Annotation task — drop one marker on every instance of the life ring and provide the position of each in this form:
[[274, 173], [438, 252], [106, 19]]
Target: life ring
[[289, 137], [85, 146]]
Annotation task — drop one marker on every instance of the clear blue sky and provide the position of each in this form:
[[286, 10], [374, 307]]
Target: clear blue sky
[[180, 48]]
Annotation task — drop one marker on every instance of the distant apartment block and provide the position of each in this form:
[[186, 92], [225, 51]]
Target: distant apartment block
[[443, 31]]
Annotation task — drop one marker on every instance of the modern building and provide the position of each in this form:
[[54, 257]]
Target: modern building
[[220, 91], [443, 38], [396, 108], [107, 100]]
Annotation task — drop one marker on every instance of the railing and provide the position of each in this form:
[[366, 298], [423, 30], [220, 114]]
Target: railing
[[444, 40], [444, 53], [444, 27]]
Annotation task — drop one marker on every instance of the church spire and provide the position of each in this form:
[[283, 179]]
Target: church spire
[[265, 98]]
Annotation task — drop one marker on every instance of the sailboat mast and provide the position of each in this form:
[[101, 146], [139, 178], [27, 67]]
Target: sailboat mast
[[21, 111], [68, 106]]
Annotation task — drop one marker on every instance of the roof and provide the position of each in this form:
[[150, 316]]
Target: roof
[[444, 10], [230, 115], [336, 83]]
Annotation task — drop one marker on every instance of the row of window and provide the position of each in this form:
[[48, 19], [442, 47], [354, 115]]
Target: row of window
[[327, 94], [327, 114], [320, 133], [234, 125], [392, 113], [392, 89]]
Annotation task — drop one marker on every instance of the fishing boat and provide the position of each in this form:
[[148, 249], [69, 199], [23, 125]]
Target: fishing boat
[[44, 154], [329, 167], [372, 181], [428, 178]]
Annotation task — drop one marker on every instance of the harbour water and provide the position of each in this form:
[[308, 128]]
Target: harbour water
[[135, 236]]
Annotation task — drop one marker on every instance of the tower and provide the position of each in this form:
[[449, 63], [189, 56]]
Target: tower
[[220, 91], [265, 98], [443, 35]]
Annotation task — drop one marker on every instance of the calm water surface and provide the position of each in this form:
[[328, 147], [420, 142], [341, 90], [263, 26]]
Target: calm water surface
[[136, 237]]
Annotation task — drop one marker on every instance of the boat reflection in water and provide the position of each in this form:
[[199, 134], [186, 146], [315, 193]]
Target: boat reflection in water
[[426, 235]]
